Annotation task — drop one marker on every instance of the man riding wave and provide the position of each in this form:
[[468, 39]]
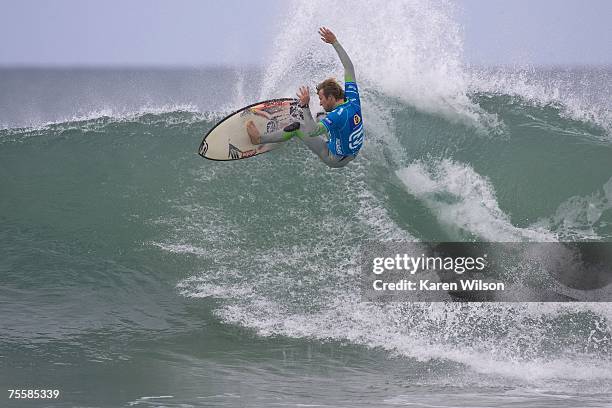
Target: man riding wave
[[337, 138]]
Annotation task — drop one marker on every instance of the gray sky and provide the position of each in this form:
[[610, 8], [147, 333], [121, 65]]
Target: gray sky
[[538, 31], [203, 32]]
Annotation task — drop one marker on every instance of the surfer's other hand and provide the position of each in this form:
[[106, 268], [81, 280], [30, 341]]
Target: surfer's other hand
[[304, 96]]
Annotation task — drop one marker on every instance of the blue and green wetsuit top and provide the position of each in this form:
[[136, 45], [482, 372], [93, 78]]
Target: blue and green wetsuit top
[[345, 125]]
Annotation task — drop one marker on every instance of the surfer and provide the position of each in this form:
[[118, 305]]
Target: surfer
[[337, 138]]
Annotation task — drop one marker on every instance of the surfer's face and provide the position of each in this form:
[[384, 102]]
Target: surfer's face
[[327, 103]]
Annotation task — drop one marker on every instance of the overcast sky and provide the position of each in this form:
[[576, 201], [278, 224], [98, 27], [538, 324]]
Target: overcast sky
[[205, 32]]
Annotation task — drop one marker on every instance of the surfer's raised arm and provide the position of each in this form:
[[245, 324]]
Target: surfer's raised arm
[[330, 38]]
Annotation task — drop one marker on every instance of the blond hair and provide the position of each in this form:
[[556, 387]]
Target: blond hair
[[331, 87]]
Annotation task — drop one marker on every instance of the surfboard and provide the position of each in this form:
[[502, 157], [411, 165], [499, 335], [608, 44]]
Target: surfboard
[[229, 140]]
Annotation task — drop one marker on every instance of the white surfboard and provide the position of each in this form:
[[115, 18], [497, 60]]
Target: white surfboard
[[228, 139]]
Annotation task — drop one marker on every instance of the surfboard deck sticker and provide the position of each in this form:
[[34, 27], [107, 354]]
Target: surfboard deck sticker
[[229, 140]]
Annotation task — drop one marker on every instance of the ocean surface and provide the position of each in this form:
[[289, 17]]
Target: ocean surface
[[135, 273]]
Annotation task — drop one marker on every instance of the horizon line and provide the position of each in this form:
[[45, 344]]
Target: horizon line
[[261, 66]]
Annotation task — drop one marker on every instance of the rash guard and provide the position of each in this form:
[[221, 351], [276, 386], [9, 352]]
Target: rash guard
[[345, 125]]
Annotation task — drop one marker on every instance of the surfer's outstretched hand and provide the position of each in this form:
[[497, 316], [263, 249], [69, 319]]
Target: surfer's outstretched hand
[[327, 35], [304, 96]]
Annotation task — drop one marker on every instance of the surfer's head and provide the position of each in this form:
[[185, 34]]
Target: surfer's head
[[330, 94]]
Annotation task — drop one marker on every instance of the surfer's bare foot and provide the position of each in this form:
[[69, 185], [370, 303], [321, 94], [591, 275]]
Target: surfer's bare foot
[[253, 132]]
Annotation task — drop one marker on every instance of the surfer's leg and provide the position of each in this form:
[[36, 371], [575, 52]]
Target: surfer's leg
[[318, 145], [272, 137], [313, 134], [276, 137]]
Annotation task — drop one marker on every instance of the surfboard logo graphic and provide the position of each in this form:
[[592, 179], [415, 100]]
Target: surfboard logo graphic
[[234, 152], [296, 112], [272, 125], [203, 148], [248, 153]]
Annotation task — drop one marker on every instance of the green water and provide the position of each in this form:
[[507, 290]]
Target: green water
[[133, 272]]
